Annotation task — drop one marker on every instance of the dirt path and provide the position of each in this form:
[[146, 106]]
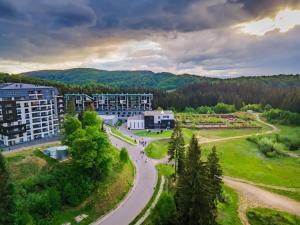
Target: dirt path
[[253, 196], [263, 185]]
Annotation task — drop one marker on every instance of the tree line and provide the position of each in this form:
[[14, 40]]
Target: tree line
[[237, 92], [233, 93]]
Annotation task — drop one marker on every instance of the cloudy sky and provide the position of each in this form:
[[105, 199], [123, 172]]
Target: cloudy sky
[[204, 37]]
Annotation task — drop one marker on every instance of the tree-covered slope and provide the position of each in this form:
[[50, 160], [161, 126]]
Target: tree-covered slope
[[132, 79]]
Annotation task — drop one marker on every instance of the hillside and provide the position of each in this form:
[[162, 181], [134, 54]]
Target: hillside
[[123, 79]]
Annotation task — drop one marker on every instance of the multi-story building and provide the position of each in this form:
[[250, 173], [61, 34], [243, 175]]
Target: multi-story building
[[120, 105], [29, 112]]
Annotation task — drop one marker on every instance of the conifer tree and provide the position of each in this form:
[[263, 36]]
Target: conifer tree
[[215, 174], [194, 190], [176, 149], [7, 204]]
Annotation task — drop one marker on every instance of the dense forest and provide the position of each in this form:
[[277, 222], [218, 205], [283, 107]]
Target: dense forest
[[278, 91], [235, 93], [120, 79], [149, 79]]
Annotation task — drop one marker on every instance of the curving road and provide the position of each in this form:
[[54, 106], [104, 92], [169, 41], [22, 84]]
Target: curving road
[[140, 194]]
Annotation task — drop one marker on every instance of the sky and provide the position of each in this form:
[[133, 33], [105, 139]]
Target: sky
[[203, 37]]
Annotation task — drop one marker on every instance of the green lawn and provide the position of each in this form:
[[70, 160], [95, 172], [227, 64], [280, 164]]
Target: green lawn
[[165, 170], [118, 133], [145, 133], [242, 159], [262, 216], [228, 212], [157, 149]]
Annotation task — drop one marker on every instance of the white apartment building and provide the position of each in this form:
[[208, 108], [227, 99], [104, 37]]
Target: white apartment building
[[29, 112]]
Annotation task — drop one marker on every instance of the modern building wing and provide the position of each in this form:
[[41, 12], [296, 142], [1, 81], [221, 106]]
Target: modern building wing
[[121, 105], [29, 112], [152, 120]]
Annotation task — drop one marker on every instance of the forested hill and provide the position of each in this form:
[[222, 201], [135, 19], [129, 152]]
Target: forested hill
[[123, 79], [148, 79]]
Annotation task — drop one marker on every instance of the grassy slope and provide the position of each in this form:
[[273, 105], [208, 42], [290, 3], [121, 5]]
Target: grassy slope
[[240, 158], [227, 212], [262, 216], [157, 149], [115, 131], [109, 193]]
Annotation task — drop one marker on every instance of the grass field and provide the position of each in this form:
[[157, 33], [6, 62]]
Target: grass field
[[157, 149], [227, 212], [262, 216], [165, 170], [118, 133], [242, 159], [144, 133]]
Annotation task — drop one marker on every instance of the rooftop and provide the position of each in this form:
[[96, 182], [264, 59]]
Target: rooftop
[[18, 86], [136, 117], [157, 113]]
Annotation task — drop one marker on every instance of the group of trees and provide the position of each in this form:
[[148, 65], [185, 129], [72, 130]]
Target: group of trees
[[272, 147], [282, 117], [198, 186], [36, 199]]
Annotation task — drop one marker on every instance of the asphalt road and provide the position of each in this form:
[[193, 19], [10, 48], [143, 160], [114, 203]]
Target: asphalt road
[[142, 191]]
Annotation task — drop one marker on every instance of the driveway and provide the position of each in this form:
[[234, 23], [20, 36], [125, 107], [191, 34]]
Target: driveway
[[140, 194]]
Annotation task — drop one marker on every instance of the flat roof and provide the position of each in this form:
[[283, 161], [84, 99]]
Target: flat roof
[[16, 86], [136, 117], [157, 113], [107, 117]]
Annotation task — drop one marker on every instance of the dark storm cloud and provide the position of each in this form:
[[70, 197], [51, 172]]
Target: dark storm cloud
[[265, 7], [8, 11], [44, 31]]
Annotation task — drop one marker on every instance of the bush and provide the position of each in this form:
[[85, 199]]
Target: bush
[[260, 216], [253, 107], [124, 155], [165, 210], [265, 145], [204, 110], [224, 108], [282, 117], [43, 204]]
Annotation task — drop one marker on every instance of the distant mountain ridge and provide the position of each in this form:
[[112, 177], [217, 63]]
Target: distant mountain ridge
[[149, 79], [123, 79]]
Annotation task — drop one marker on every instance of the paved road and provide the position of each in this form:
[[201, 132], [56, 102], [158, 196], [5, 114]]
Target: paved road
[[141, 193]]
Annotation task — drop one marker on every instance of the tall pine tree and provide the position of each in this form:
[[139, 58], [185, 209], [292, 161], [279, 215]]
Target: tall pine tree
[[194, 191], [7, 204], [176, 149], [215, 173]]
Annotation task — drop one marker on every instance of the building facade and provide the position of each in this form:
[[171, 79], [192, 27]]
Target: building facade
[[152, 120], [29, 112], [121, 105], [136, 122]]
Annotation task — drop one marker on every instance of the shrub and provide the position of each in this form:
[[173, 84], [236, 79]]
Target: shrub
[[124, 155], [204, 110], [283, 117], [265, 145], [253, 107], [224, 108], [165, 210]]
